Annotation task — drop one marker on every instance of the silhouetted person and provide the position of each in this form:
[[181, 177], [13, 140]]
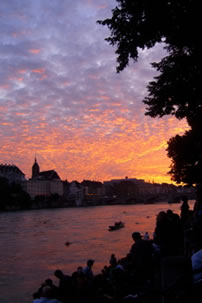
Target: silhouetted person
[[46, 296], [88, 273], [64, 287], [177, 234], [79, 284], [198, 203], [184, 211], [169, 234], [162, 233], [146, 236], [54, 288], [113, 261], [141, 257], [38, 293], [88, 269]]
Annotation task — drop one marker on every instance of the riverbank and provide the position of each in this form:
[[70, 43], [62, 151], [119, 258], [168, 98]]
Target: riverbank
[[167, 276], [61, 202], [35, 242]]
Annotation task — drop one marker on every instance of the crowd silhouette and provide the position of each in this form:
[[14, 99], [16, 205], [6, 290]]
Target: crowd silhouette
[[167, 268]]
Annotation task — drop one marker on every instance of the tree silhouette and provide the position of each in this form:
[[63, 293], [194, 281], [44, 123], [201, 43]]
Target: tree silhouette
[[140, 24], [12, 195], [186, 154]]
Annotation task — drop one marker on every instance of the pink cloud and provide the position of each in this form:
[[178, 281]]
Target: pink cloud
[[34, 51], [38, 70]]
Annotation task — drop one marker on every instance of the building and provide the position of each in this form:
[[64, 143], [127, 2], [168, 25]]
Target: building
[[12, 173], [76, 192], [93, 188], [43, 183]]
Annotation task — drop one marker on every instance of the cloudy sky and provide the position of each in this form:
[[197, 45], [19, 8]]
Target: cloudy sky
[[62, 101]]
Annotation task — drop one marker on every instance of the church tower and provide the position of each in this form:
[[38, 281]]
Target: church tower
[[35, 169]]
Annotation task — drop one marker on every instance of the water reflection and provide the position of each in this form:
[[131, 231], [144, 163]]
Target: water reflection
[[34, 247]]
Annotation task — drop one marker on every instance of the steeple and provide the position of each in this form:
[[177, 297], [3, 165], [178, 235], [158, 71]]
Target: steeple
[[35, 169]]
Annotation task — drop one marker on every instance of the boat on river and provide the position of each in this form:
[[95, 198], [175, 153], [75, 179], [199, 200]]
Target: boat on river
[[117, 225]]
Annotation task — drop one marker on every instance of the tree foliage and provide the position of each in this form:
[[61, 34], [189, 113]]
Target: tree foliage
[[140, 24], [186, 154], [177, 90], [13, 196]]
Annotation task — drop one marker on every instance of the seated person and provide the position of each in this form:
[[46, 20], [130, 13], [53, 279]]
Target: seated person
[[46, 296], [88, 269]]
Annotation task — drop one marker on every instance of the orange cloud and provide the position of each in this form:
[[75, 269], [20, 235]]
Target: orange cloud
[[103, 148], [38, 71], [5, 123], [20, 114], [22, 71]]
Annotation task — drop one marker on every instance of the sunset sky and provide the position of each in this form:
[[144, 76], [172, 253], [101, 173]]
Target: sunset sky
[[62, 101]]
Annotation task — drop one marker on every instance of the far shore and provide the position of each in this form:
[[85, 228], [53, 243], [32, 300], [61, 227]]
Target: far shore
[[39, 205]]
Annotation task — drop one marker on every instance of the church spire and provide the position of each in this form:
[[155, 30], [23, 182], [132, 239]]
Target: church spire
[[35, 169]]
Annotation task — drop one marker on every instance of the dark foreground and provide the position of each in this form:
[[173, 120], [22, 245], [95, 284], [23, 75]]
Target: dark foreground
[[167, 268]]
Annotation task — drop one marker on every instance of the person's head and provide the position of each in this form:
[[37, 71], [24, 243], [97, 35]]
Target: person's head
[[161, 217], [58, 273], [90, 262], [79, 269], [169, 212], [184, 199], [136, 236]]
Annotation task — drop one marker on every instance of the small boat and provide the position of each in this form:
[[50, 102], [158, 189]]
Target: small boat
[[117, 225]]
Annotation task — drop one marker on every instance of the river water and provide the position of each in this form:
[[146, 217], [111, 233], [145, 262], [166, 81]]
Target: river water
[[33, 242]]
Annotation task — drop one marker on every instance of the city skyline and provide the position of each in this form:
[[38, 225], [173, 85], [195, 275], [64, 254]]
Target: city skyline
[[62, 101]]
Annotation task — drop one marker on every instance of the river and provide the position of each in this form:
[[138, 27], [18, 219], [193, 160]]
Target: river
[[33, 242]]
